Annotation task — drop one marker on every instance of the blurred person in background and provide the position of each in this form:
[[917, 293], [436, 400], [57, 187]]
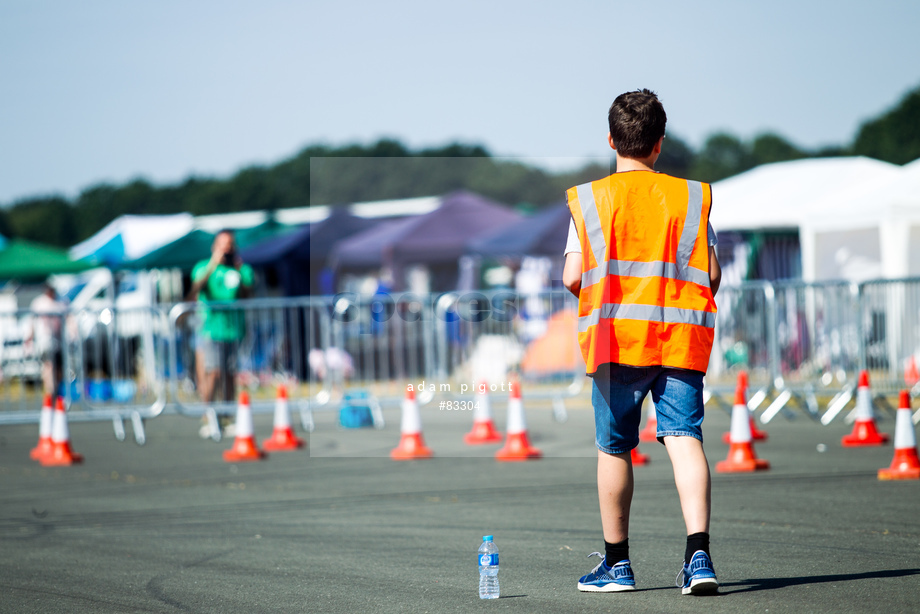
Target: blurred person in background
[[45, 337], [224, 278]]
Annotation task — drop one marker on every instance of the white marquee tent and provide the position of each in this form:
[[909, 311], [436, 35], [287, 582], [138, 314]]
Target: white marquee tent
[[871, 231], [839, 206], [129, 237]]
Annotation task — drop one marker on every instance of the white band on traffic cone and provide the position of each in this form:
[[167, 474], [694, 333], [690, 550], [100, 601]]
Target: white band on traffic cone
[[282, 414], [482, 411], [516, 421], [741, 424], [46, 421], [243, 421], [59, 430], [904, 436], [411, 422], [863, 404]]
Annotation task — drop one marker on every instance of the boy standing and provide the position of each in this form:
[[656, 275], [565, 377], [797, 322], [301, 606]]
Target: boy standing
[[645, 274]]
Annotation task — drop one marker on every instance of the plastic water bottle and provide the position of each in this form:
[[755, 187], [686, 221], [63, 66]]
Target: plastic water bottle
[[488, 569]]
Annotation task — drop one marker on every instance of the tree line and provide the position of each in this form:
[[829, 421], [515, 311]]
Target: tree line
[[322, 174]]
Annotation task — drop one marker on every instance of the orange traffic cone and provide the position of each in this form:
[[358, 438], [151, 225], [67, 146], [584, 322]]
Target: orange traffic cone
[[911, 374], [517, 446], [905, 465], [244, 446], [638, 458], [483, 425], [61, 453], [741, 456], [756, 434], [650, 432], [411, 445], [864, 431], [283, 438], [45, 445]]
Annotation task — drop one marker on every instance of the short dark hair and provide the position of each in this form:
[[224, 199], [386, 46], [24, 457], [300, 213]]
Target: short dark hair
[[637, 120]]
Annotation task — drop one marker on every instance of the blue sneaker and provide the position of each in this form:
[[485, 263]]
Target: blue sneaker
[[603, 579], [699, 577]]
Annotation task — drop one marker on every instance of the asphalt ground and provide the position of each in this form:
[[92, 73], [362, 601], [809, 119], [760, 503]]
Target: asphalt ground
[[171, 527]]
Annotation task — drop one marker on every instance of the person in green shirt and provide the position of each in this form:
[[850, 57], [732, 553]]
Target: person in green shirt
[[222, 279]]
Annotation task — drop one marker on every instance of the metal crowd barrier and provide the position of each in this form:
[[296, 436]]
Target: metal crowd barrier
[[107, 365], [118, 360], [889, 313], [818, 345], [218, 349], [802, 344], [745, 340], [334, 348], [389, 342], [844, 328], [486, 338], [808, 341], [889, 317], [32, 349]]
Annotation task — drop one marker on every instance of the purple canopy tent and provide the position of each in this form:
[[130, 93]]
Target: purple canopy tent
[[437, 239], [542, 234]]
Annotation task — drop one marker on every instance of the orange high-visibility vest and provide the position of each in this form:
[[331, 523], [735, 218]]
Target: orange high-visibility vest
[[645, 298]]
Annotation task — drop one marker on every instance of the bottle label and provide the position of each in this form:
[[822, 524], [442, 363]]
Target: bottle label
[[488, 559]]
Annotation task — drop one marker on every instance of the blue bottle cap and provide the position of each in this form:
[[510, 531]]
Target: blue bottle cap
[[486, 538]]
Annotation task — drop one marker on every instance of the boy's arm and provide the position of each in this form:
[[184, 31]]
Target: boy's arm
[[715, 270], [571, 272]]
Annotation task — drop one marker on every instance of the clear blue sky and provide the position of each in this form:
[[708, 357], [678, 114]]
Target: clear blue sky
[[108, 90]]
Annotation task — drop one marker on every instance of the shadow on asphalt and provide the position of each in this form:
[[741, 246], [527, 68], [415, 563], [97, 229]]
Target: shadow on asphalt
[[766, 584]]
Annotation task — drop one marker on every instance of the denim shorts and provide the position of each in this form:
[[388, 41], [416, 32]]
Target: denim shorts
[[617, 392]]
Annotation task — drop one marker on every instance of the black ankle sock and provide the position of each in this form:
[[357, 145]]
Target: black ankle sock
[[697, 541], [616, 552]]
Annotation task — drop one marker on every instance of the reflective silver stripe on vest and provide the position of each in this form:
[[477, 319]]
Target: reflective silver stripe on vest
[[632, 268], [691, 225], [647, 313], [592, 218]]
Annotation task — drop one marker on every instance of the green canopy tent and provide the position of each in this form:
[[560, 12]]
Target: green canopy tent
[[183, 253], [29, 261], [268, 229], [186, 251]]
